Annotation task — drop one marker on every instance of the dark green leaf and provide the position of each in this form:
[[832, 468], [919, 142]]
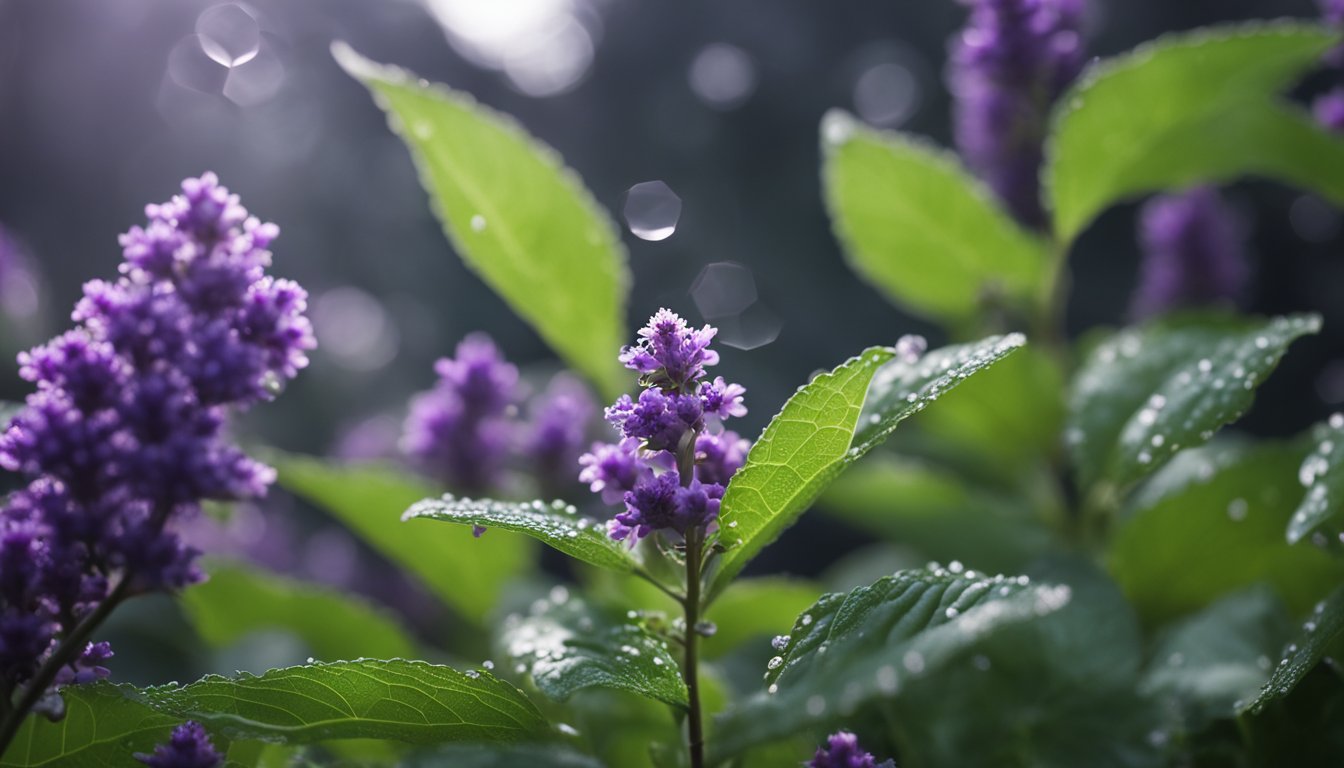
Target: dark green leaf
[[848, 649], [828, 425], [470, 756], [467, 574], [1212, 522], [557, 524], [1210, 112], [238, 600], [567, 647], [1148, 392], [102, 728], [515, 214], [1324, 626], [1322, 473], [920, 228]]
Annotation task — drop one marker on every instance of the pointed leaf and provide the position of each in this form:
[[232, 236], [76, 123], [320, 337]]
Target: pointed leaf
[[850, 648], [1322, 472], [469, 575], [556, 524], [1148, 392], [1211, 112], [828, 425], [920, 228], [515, 214], [238, 599], [567, 647], [1324, 626]]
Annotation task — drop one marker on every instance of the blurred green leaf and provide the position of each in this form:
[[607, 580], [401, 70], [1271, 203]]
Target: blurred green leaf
[[556, 524], [848, 649], [1212, 522], [1148, 392], [755, 608], [939, 513], [472, 756], [239, 599], [515, 214], [1210, 112], [829, 424], [566, 647], [1322, 472], [1323, 628], [466, 573], [920, 228]]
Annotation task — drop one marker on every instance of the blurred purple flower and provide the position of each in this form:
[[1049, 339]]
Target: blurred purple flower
[[188, 747], [1007, 67], [1193, 252], [842, 750], [560, 417], [1329, 110]]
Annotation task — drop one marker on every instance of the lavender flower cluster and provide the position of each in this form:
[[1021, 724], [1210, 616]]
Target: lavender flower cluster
[[1006, 69], [842, 750], [126, 429], [1193, 252], [465, 430], [674, 458], [188, 747]]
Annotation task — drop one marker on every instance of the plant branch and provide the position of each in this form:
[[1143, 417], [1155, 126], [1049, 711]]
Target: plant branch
[[689, 670]]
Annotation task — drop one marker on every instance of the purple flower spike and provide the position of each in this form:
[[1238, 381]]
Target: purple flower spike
[[1193, 252], [1007, 67], [842, 750], [188, 747], [670, 354]]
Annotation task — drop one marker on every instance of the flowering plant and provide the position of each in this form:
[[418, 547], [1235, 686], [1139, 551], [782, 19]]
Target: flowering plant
[[1175, 595]]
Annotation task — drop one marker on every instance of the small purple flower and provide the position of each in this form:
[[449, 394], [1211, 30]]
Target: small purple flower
[[1007, 67], [612, 469], [842, 750], [1193, 252], [719, 456], [188, 747], [458, 431], [661, 503], [722, 399], [670, 354]]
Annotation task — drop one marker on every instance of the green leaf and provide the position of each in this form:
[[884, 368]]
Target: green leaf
[[1324, 626], [939, 513], [102, 728], [755, 608], [828, 425], [848, 649], [1210, 112], [556, 524], [567, 647], [515, 214], [1209, 663], [470, 756], [468, 574], [1322, 472], [1148, 392], [920, 228], [1212, 522], [239, 599]]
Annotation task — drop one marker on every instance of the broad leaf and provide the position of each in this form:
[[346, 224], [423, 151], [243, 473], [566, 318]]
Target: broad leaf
[[237, 600], [515, 214], [1324, 626], [1148, 392], [556, 523], [469, 575], [470, 756], [828, 425], [755, 608], [1322, 473], [102, 728], [1211, 662], [848, 649], [566, 647], [1211, 523], [1210, 112], [919, 227]]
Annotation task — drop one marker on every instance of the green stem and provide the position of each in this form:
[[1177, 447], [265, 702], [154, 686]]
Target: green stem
[[689, 669]]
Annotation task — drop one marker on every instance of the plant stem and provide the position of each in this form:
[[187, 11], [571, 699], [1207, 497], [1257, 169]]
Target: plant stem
[[66, 652], [689, 671]]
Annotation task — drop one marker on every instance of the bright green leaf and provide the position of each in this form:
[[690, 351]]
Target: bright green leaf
[[828, 425], [515, 214], [755, 608], [1212, 522], [1148, 392], [239, 599], [1324, 626], [919, 227], [557, 524], [1210, 111], [1322, 472], [568, 647], [467, 574], [850, 648]]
